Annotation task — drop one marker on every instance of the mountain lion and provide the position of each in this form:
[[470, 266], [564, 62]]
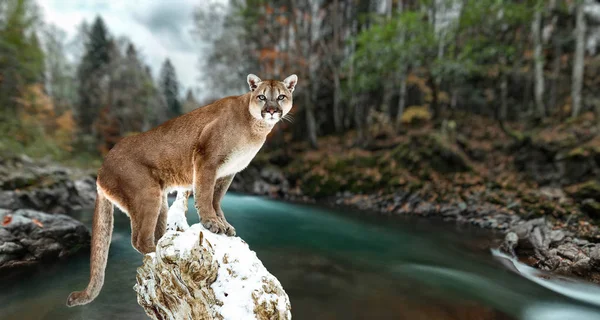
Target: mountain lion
[[199, 151]]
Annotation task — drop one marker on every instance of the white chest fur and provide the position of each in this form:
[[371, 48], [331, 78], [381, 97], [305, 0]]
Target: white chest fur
[[237, 161]]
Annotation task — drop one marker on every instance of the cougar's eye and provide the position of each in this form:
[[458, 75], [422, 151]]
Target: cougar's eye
[[281, 97], [262, 97]]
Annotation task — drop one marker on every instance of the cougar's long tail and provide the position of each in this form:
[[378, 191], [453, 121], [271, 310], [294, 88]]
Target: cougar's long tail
[[102, 230]]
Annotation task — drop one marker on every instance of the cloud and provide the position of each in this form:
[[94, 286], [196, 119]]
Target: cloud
[[159, 29], [164, 21]]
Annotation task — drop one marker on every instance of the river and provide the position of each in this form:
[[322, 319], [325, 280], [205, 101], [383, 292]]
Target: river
[[334, 264]]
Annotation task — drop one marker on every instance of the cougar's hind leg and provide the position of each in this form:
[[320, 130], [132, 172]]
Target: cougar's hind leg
[[144, 212], [161, 223]]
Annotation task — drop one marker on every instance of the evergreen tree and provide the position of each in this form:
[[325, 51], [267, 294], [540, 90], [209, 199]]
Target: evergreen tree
[[170, 89], [190, 103], [21, 58], [91, 71], [60, 83]]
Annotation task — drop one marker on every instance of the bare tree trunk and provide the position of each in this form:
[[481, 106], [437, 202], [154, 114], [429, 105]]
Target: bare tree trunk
[[401, 99], [358, 121], [387, 96], [502, 115], [388, 84], [577, 82], [337, 95], [352, 100], [310, 120], [435, 105], [310, 93], [538, 59], [402, 74], [337, 90], [555, 74]]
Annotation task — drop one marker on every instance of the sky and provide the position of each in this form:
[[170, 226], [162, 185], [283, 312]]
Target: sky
[[159, 29]]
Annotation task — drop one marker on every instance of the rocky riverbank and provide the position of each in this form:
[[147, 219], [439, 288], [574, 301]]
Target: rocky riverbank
[[44, 186], [538, 188], [28, 237], [34, 198], [539, 242]]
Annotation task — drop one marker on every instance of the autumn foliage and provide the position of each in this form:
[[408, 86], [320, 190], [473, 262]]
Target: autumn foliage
[[39, 119]]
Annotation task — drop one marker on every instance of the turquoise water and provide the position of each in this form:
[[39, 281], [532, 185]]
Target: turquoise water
[[333, 264]]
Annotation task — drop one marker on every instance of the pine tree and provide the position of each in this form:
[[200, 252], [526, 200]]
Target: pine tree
[[190, 103], [170, 88], [90, 74], [21, 58], [60, 83]]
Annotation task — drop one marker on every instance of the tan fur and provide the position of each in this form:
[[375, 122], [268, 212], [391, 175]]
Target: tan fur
[[201, 150]]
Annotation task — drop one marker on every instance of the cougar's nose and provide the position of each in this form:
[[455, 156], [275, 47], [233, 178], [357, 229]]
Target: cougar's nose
[[271, 110]]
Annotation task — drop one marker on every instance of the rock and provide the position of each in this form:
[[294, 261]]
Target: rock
[[586, 190], [510, 243], [553, 194], [537, 238], [524, 232], [30, 237], [197, 274], [591, 207], [556, 236], [568, 250], [595, 257], [261, 179], [44, 187]]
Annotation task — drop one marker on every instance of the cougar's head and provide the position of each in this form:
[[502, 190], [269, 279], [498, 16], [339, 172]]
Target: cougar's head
[[271, 100]]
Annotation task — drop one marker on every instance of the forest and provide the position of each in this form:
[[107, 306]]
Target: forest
[[435, 149], [362, 64], [75, 98]]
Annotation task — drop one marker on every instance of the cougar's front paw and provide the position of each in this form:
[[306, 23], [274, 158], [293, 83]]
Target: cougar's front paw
[[229, 229], [214, 225]]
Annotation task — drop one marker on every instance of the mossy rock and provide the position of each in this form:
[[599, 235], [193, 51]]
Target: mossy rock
[[586, 190], [591, 207], [431, 151], [578, 153], [22, 180], [319, 186]]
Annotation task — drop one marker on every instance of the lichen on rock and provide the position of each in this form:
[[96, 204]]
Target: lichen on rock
[[196, 274]]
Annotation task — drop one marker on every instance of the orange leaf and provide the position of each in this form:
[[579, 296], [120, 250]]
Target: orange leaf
[[269, 9], [7, 219], [37, 223]]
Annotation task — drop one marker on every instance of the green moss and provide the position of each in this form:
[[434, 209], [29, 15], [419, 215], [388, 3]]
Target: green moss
[[319, 186], [586, 190], [591, 208], [579, 152]]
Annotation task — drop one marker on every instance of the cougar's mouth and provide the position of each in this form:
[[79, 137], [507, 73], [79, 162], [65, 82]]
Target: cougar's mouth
[[272, 116]]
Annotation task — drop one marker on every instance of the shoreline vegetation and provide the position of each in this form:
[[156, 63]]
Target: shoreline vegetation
[[479, 113], [540, 190]]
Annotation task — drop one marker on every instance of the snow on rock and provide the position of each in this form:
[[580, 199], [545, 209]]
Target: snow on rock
[[196, 274], [176, 220]]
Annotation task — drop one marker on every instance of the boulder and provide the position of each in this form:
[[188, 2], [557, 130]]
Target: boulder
[[45, 187], [196, 274], [555, 250], [28, 237]]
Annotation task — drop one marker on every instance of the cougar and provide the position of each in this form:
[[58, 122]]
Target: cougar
[[199, 151]]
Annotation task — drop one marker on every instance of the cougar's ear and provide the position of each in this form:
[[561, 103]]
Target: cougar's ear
[[290, 82], [253, 81]]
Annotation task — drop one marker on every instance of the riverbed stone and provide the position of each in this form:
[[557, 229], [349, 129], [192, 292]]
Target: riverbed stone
[[557, 236], [595, 257], [569, 251], [28, 237], [43, 186], [582, 267]]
